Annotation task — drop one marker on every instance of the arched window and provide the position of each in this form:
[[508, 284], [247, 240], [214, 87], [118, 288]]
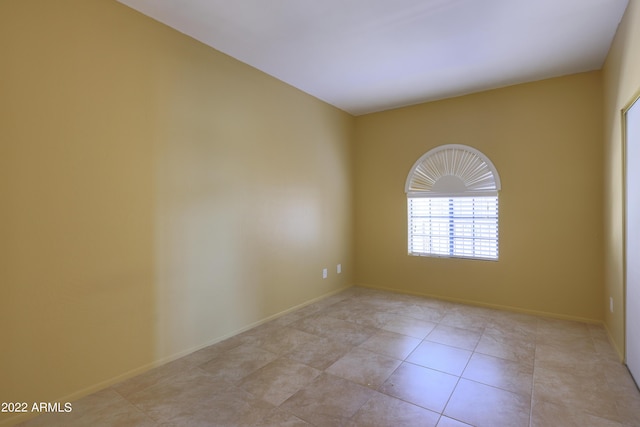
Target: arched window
[[452, 200]]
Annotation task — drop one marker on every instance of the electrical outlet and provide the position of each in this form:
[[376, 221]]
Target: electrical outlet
[[611, 304], [325, 273], [339, 268]]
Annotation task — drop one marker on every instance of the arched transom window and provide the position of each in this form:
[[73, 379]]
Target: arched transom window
[[452, 200]]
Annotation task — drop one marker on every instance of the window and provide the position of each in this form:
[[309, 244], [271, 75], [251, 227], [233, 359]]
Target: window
[[452, 203]]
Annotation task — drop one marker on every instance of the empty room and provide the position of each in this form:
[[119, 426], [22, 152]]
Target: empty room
[[332, 213]]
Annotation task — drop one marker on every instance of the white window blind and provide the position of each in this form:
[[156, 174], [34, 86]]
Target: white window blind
[[452, 194], [454, 226]]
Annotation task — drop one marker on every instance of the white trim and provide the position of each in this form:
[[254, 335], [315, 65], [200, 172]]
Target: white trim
[[417, 194]]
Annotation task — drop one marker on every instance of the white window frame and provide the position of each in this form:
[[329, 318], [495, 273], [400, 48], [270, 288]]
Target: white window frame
[[452, 204]]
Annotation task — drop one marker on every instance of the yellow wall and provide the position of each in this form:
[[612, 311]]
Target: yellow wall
[[545, 139], [156, 196], [621, 84]]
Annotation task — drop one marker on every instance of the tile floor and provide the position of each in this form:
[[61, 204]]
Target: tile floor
[[372, 358]]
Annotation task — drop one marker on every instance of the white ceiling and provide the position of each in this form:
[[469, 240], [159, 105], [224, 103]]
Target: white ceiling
[[371, 55]]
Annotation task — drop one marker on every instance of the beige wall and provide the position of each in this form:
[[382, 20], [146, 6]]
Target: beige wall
[[156, 196], [545, 139], [621, 85]]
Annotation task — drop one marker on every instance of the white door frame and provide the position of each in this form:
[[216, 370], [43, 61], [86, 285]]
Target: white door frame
[[631, 262]]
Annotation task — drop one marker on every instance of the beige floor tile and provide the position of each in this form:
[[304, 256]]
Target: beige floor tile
[[624, 392], [629, 410], [364, 367], [257, 332], [435, 303], [239, 362], [507, 345], [618, 376], [286, 319], [544, 414], [369, 317], [455, 337], [422, 312], [362, 314], [568, 342], [279, 380], [385, 411], [550, 356], [450, 422], [421, 386], [233, 407], [309, 310], [320, 353], [409, 326], [335, 329], [485, 406], [283, 340], [501, 373], [588, 392], [440, 357], [385, 300], [340, 308], [597, 331], [164, 402], [605, 350], [280, 418], [523, 324], [466, 319], [391, 344], [549, 328], [389, 305], [328, 401]]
